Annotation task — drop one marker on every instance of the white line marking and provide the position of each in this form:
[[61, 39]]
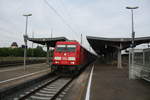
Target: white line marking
[[89, 85], [22, 76]]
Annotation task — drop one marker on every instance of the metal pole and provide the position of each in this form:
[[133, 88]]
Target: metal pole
[[32, 45], [131, 74], [129, 64], [51, 33], [26, 25], [81, 39], [50, 53], [133, 35], [25, 40]]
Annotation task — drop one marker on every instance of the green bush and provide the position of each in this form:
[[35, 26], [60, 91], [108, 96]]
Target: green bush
[[19, 52]]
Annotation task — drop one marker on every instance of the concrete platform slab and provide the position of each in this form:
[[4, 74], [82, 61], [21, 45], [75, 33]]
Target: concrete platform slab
[[10, 76], [111, 83]]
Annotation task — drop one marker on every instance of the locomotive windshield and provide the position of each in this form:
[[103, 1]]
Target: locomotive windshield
[[71, 48], [60, 48], [66, 48]]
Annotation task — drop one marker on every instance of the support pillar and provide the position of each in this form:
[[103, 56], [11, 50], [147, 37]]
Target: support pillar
[[119, 57], [143, 58]]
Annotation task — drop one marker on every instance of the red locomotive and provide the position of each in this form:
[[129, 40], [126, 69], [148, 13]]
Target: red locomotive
[[70, 55]]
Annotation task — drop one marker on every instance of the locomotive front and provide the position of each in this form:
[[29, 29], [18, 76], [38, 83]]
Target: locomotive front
[[66, 53]]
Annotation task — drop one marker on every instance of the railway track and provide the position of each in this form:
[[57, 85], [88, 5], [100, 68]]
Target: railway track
[[49, 90], [16, 63]]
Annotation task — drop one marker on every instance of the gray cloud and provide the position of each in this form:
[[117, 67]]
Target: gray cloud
[[107, 18]]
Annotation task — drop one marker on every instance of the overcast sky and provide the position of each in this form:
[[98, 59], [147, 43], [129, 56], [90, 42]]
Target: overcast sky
[[70, 18]]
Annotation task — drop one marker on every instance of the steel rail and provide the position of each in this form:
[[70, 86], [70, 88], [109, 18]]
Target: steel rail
[[37, 89], [58, 90], [56, 95]]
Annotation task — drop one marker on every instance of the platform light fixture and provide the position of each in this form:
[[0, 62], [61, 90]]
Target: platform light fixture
[[133, 37], [25, 38]]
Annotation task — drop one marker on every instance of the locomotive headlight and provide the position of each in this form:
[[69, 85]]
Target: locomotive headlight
[[57, 58], [72, 62], [71, 58], [56, 62]]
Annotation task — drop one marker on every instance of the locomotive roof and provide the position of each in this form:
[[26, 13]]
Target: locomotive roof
[[68, 42]]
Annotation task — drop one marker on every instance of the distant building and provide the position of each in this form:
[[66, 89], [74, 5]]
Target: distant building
[[14, 45]]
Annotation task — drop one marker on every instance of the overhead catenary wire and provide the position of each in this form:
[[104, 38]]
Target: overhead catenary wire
[[10, 24], [65, 9], [9, 18], [62, 19], [68, 14]]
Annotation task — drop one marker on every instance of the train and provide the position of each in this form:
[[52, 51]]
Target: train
[[70, 56]]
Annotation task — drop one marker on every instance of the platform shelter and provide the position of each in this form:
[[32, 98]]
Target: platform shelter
[[110, 47]]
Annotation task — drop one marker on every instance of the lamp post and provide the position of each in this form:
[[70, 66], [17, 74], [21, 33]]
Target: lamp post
[[132, 46], [25, 38]]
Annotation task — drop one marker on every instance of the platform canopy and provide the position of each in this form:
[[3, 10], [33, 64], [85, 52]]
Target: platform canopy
[[103, 45], [47, 41], [110, 47]]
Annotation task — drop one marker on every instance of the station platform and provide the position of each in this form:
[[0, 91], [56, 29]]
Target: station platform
[[110, 83], [11, 76]]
